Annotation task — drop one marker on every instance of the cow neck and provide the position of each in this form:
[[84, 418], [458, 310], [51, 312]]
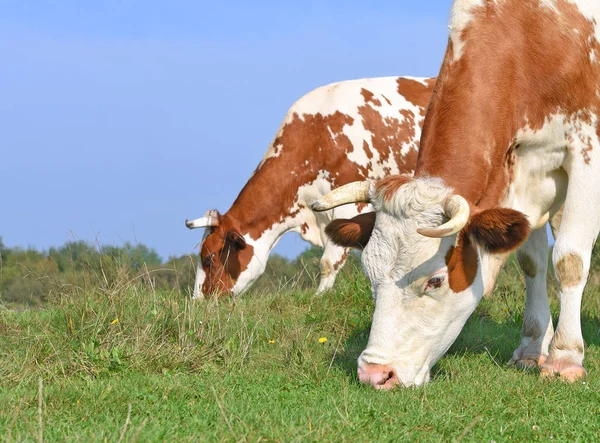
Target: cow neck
[[265, 204], [466, 135], [540, 65]]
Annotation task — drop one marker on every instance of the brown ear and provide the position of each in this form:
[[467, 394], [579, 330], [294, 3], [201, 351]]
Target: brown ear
[[235, 239], [498, 229], [351, 233]]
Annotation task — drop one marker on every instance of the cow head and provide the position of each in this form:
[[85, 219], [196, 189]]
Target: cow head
[[426, 260], [224, 256]]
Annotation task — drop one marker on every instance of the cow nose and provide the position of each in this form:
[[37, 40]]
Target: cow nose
[[378, 376]]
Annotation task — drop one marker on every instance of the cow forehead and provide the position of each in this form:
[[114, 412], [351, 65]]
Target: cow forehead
[[414, 203], [419, 199], [397, 251]]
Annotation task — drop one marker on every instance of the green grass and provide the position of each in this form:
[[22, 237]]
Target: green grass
[[184, 371]]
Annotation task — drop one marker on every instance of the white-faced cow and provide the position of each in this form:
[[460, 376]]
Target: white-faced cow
[[510, 135], [334, 135]]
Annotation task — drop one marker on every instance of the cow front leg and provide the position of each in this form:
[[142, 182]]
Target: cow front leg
[[571, 257], [536, 330], [332, 261]]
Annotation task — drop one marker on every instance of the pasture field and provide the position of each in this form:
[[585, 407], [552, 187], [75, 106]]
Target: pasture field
[[122, 362]]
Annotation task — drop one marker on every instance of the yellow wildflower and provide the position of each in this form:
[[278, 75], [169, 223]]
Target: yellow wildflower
[[115, 321], [271, 342], [323, 340]]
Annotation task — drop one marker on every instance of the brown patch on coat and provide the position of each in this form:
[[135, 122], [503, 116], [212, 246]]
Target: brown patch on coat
[[338, 264], [520, 63], [569, 270], [369, 97], [527, 264], [352, 233], [389, 134], [462, 263], [367, 150], [498, 229], [304, 228], [416, 92], [389, 186], [586, 152]]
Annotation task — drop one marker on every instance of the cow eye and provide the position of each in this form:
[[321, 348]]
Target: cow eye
[[435, 281], [209, 260]]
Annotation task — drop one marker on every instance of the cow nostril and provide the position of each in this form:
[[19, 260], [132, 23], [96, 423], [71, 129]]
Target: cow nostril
[[386, 377]]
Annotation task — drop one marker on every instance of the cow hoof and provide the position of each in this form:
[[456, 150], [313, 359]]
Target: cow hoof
[[529, 356], [529, 361], [564, 369]]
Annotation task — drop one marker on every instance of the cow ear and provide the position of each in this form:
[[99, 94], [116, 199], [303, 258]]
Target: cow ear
[[235, 239], [498, 229], [351, 233]]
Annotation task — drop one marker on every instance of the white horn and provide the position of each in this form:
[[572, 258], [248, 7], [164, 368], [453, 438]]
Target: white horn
[[210, 220], [457, 209], [354, 192]]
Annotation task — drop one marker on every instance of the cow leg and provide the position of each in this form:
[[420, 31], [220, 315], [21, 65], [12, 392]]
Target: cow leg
[[555, 222], [536, 331], [333, 259], [571, 256]]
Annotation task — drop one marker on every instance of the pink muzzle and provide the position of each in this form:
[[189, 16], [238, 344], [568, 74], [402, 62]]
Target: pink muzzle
[[378, 376]]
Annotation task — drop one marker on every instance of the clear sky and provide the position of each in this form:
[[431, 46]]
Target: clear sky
[[119, 119]]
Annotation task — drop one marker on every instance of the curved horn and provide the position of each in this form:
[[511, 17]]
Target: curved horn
[[354, 192], [457, 209], [210, 220]]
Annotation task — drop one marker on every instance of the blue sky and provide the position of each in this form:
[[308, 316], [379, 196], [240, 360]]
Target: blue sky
[[119, 119]]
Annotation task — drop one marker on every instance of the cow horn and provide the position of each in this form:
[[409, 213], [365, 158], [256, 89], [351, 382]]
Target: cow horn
[[354, 192], [457, 209], [210, 220]]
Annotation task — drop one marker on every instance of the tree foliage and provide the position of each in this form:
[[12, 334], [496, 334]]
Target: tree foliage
[[31, 277]]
